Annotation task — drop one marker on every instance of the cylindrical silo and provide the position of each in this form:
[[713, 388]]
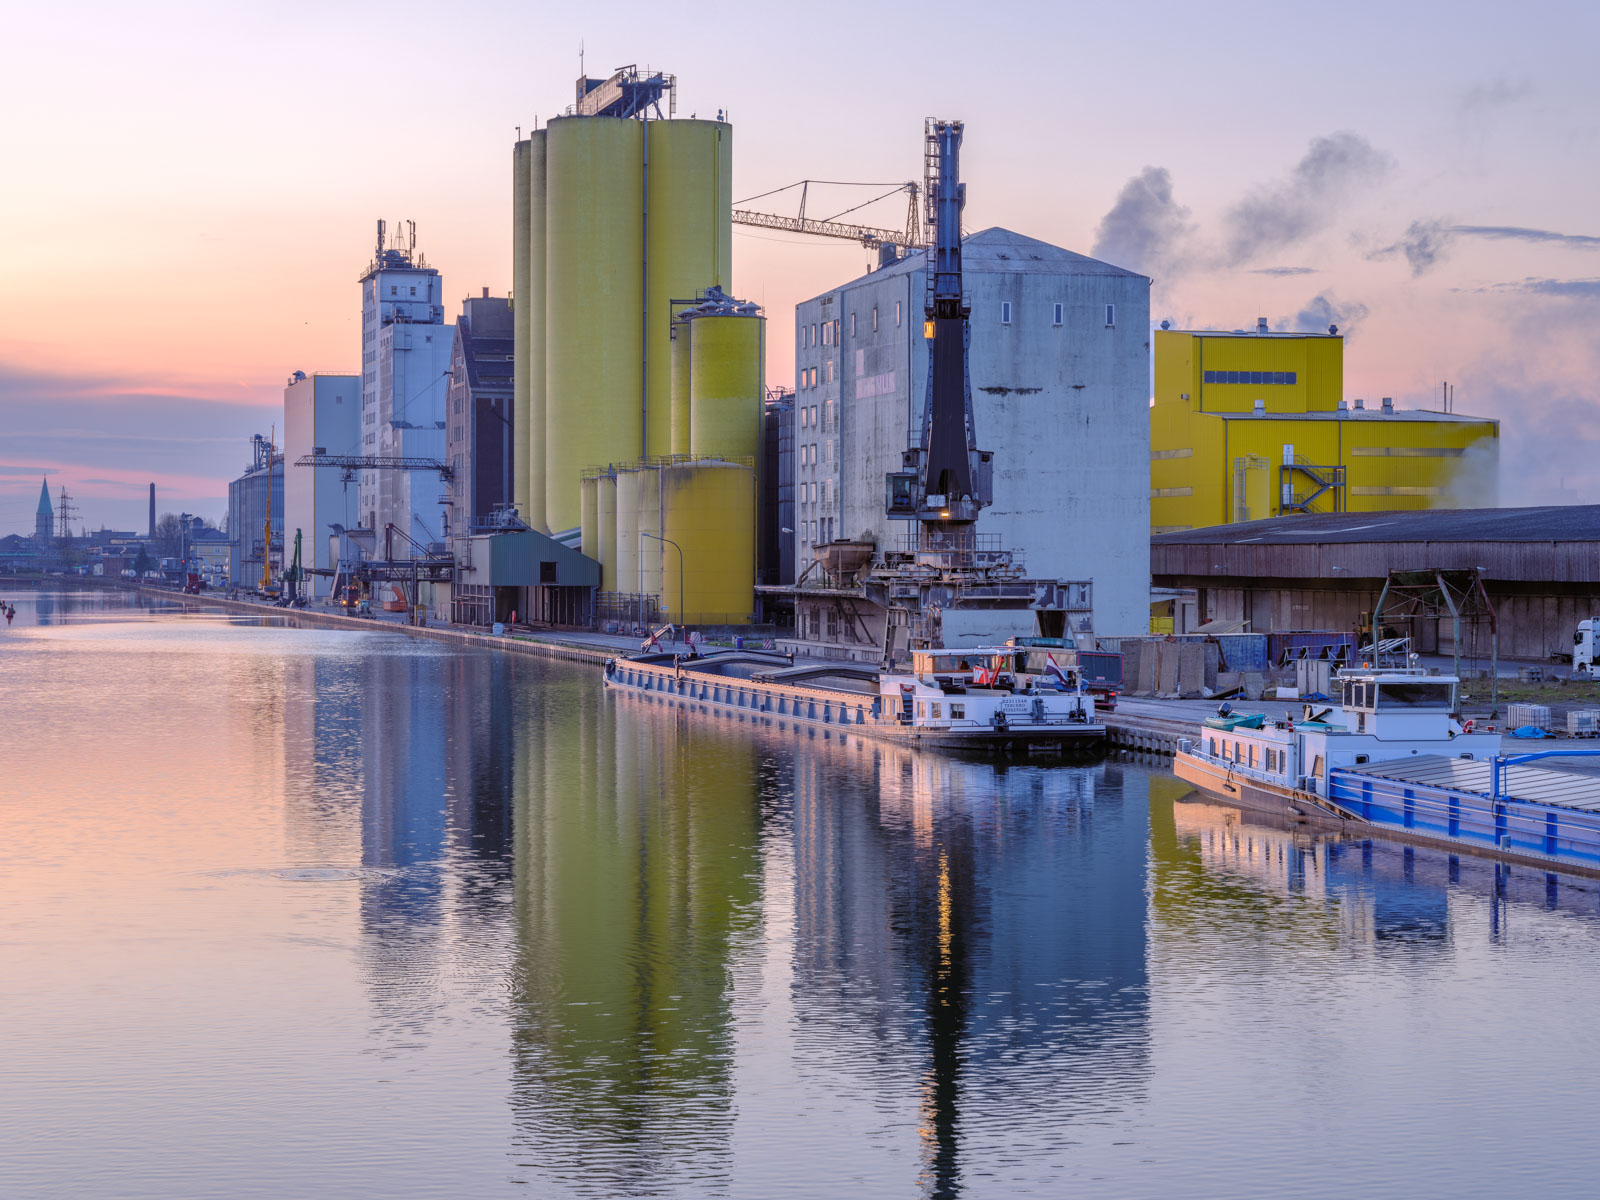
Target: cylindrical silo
[[531, 435], [649, 493], [688, 245], [605, 507], [725, 393], [627, 555], [589, 516], [681, 335], [594, 295], [521, 295], [709, 509]]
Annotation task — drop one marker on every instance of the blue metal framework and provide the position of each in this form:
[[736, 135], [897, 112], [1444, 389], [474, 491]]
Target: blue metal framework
[[1482, 822]]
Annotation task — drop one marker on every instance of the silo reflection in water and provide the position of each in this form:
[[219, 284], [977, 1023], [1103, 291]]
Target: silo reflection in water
[[636, 879]]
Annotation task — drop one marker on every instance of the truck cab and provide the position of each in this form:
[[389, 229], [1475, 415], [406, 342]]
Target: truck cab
[[1583, 647]]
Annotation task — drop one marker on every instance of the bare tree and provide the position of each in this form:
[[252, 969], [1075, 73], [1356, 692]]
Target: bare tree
[[169, 536]]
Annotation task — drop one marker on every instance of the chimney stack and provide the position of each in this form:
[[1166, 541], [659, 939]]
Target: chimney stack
[[152, 512]]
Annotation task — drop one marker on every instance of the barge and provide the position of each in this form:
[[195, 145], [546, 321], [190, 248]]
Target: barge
[[1394, 757], [983, 699]]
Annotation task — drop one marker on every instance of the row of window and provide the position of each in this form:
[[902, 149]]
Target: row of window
[[816, 493], [1264, 378], [809, 377], [827, 332], [808, 453], [808, 415], [1244, 753]]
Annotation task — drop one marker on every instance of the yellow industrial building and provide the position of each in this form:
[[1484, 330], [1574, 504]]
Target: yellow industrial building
[[638, 380], [1248, 425]]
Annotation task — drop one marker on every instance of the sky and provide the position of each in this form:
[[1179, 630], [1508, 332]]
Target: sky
[[191, 189]]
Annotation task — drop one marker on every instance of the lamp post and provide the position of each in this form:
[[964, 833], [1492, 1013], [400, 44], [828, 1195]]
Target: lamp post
[[679, 549]]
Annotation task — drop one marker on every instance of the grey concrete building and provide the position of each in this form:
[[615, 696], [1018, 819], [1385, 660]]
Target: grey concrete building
[[478, 422], [247, 515], [320, 413], [1541, 570], [1060, 368]]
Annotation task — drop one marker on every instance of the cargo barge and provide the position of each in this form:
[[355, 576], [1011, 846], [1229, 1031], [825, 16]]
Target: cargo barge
[[1394, 757], [982, 699]]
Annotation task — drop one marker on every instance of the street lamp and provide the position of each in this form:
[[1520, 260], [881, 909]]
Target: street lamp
[[679, 549]]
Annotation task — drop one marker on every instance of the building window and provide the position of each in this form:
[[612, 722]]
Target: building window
[[874, 320], [852, 324], [1254, 378], [1005, 312], [836, 331], [813, 334], [897, 314], [1060, 313], [413, 291], [393, 290], [827, 333], [1111, 315]]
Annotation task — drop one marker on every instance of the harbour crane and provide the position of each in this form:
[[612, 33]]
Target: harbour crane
[[351, 463], [911, 237]]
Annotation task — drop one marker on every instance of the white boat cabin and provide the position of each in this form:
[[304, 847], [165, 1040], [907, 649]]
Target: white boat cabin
[[983, 686]]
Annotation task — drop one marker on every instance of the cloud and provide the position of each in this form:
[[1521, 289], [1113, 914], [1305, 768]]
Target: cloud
[[1493, 94], [1321, 311], [1284, 271], [1565, 289], [1279, 215], [1581, 241], [1145, 228], [1426, 241]]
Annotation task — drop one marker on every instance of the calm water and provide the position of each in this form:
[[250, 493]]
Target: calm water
[[301, 913]]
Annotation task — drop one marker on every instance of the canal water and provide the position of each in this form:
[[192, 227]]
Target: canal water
[[302, 913]]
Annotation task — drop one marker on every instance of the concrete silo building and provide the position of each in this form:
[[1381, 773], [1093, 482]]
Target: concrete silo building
[[1060, 369]]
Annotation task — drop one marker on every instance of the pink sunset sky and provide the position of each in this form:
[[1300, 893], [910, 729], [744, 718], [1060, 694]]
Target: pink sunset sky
[[191, 190]]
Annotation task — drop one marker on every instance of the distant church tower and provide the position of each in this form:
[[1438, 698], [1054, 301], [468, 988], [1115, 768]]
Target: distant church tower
[[44, 523]]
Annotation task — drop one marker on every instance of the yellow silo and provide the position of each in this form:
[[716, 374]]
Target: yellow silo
[[627, 554], [605, 507], [594, 295], [682, 332], [649, 499], [521, 293], [589, 516], [725, 386], [688, 245], [708, 508], [531, 435]]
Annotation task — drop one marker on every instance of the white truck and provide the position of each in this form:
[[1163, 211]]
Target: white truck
[[1583, 647]]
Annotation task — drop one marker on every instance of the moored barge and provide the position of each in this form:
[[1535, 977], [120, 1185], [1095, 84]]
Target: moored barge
[[983, 699], [1394, 757]]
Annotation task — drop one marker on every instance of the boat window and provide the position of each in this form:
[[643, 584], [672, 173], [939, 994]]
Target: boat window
[[1415, 695], [922, 710], [958, 712], [1316, 766], [937, 710], [1361, 758], [1213, 750], [1252, 754]]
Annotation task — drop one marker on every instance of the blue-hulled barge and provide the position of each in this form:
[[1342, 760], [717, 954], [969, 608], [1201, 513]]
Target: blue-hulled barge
[[1394, 758]]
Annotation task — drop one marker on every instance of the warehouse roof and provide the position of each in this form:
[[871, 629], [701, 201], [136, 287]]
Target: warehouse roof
[[1556, 522], [1351, 414], [1000, 251]]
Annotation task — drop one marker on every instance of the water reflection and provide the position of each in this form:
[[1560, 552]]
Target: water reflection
[[539, 939], [637, 877]]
